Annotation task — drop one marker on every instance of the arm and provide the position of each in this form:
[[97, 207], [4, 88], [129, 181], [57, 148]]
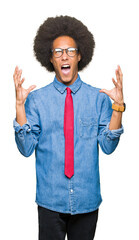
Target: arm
[[110, 125], [116, 120], [108, 139], [116, 94], [21, 114], [21, 95], [26, 123]]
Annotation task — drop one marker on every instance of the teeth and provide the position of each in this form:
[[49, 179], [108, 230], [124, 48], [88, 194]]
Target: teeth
[[65, 66]]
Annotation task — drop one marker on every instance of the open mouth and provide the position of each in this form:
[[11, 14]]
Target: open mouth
[[65, 69]]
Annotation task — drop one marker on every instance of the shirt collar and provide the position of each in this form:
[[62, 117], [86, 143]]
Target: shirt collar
[[61, 86]]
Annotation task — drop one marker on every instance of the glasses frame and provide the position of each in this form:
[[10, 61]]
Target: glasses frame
[[66, 49]]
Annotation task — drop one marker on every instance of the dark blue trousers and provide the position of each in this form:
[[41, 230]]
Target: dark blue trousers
[[54, 225]]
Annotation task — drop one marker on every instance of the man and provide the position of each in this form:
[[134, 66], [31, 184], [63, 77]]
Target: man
[[64, 122]]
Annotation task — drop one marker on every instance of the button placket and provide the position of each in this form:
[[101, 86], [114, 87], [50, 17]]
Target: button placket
[[71, 196]]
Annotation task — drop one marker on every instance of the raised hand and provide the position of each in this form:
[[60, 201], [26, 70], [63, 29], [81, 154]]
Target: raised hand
[[116, 94], [21, 93]]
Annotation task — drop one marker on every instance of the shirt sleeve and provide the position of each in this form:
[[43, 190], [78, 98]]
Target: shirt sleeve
[[27, 136], [108, 139]]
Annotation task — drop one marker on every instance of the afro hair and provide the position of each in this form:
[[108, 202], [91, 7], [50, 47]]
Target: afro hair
[[53, 28]]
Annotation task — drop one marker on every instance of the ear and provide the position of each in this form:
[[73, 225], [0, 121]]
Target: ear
[[79, 57], [51, 60]]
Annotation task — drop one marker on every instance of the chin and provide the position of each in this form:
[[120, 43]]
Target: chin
[[66, 80]]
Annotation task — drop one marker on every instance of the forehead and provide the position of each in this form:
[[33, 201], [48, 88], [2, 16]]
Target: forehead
[[64, 42]]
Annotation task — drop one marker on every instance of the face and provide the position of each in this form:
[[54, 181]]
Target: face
[[65, 75]]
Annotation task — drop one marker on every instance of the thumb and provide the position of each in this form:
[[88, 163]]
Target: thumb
[[104, 91], [31, 88]]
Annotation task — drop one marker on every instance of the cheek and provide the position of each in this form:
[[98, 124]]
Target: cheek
[[76, 64], [55, 64]]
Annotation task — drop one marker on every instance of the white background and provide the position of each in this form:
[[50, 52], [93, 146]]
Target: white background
[[115, 28]]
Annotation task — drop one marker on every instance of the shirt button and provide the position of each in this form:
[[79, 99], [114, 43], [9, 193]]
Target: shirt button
[[71, 190], [28, 130]]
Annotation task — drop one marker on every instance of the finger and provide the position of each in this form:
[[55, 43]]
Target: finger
[[31, 88], [23, 79], [19, 75], [120, 72], [16, 69], [119, 68], [104, 91], [15, 78], [117, 75], [15, 72], [114, 82], [19, 81]]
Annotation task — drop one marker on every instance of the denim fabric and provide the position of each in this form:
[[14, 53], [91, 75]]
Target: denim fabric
[[44, 133]]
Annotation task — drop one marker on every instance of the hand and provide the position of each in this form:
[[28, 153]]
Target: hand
[[21, 93], [116, 94]]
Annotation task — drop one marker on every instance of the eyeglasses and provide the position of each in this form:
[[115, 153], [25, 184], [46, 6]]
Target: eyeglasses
[[58, 52]]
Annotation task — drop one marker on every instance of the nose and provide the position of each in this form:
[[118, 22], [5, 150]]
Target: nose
[[64, 55]]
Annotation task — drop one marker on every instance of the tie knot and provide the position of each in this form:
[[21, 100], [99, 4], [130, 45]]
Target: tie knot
[[68, 90]]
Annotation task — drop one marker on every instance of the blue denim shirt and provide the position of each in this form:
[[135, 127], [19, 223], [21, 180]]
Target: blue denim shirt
[[44, 133]]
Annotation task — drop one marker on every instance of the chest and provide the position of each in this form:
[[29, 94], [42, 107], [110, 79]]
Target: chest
[[85, 116]]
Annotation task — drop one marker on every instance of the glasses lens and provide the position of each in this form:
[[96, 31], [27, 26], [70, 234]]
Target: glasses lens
[[57, 52], [71, 52]]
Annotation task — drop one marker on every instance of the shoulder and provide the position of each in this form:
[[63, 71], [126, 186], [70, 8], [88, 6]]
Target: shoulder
[[38, 95], [41, 91], [93, 90]]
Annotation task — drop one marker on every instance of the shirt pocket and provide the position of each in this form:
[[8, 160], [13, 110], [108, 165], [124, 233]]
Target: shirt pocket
[[88, 127]]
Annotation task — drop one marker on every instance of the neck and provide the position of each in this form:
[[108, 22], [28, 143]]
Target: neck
[[67, 82]]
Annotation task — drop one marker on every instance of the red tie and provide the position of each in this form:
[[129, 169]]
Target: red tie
[[69, 134]]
